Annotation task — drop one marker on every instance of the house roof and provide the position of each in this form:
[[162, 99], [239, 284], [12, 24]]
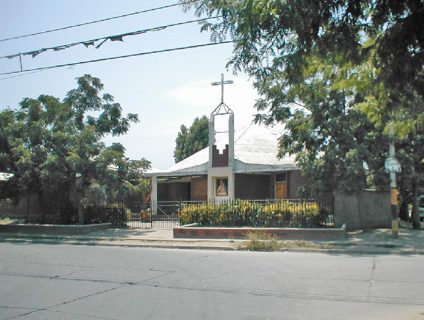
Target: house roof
[[255, 151]]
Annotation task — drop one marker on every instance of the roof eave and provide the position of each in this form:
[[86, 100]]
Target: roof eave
[[242, 167], [192, 171]]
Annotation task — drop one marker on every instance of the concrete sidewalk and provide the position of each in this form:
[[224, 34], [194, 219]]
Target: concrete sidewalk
[[377, 241]]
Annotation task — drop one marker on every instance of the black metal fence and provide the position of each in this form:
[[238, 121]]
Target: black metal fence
[[139, 215]]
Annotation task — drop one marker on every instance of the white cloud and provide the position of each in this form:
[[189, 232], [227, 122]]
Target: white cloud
[[239, 96]]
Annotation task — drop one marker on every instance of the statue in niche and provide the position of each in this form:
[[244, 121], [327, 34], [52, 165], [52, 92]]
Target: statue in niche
[[221, 190]]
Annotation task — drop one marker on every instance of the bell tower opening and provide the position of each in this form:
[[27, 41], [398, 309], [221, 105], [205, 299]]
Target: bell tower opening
[[221, 132]]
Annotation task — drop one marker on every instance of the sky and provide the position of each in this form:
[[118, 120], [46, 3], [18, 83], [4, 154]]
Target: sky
[[166, 90]]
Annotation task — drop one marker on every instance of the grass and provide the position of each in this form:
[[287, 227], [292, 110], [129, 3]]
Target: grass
[[260, 241]]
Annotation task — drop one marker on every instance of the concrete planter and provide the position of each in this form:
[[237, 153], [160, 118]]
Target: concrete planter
[[199, 232], [54, 228]]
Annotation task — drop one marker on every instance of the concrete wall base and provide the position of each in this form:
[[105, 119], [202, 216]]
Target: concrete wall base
[[198, 232], [362, 210], [54, 228]]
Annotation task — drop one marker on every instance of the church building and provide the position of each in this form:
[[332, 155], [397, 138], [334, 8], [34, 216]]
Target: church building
[[240, 164]]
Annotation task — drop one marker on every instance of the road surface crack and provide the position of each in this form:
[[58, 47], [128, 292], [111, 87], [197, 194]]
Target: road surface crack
[[372, 278], [65, 303]]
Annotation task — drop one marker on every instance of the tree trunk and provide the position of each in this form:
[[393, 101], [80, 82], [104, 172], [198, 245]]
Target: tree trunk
[[41, 206], [403, 209], [27, 208], [415, 219], [79, 198]]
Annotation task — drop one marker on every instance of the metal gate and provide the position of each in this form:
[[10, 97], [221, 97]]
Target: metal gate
[[140, 215]]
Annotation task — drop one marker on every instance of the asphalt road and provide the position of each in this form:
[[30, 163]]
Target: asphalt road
[[39, 281]]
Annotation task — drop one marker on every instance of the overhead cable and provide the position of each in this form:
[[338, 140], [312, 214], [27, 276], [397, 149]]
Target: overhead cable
[[117, 57], [102, 40], [90, 22], [24, 73]]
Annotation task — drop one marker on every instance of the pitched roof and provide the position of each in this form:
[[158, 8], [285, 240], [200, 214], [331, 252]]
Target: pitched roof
[[255, 150]]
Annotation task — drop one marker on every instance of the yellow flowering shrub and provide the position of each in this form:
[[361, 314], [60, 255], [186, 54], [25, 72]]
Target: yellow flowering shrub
[[282, 213]]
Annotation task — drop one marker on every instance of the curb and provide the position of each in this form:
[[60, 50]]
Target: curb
[[96, 242], [112, 239], [197, 245]]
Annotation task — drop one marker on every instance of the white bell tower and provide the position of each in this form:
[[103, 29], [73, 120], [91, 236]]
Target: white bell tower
[[221, 150]]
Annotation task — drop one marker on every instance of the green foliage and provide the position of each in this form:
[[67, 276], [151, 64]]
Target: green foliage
[[96, 214], [276, 35], [245, 213], [337, 74], [191, 140], [55, 150], [118, 214], [115, 213]]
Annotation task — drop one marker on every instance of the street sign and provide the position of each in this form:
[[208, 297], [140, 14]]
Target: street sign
[[392, 165], [5, 176]]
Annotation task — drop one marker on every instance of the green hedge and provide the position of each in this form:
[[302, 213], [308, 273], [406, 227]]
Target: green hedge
[[239, 213], [115, 213]]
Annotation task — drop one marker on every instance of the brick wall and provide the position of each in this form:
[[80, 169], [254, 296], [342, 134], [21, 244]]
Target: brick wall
[[199, 189], [220, 160], [247, 186]]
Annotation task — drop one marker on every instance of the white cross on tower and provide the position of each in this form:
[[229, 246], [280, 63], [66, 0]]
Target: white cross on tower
[[222, 83]]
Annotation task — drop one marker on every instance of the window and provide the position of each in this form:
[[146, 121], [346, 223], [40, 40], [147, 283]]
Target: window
[[281, 177]]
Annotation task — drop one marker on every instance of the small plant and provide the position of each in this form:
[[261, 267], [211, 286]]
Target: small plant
[[118, 214], [145, 215], [261, 241]]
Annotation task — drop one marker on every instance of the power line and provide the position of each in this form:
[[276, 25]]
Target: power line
[[115, 58], [21, 74], [92, 42], [90, 22]]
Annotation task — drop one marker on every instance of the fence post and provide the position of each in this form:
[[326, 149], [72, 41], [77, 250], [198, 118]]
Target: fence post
[[152, 204], [124, 217]]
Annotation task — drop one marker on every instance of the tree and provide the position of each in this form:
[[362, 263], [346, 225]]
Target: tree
[[340, 60], [54, 148], [335, 145], [278, 37], [410, 153], [273, 33], [191, 140]]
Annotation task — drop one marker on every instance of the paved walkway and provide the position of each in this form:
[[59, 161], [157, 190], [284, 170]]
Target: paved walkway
[[377, 241]]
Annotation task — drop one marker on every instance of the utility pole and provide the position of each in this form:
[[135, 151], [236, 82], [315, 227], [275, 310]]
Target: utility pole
[[392, 165]]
